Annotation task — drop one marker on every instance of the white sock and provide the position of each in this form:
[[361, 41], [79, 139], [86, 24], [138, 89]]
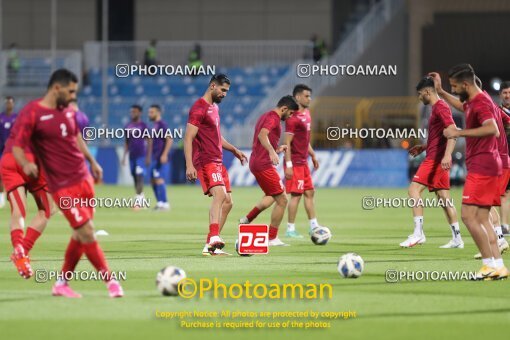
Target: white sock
[[499, 232], [291, 226], [61, 282], [488, 262], [418, 225], [313, 223], [498, 263], [455, 231]]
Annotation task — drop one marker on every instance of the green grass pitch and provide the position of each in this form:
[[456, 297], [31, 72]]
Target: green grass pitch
[[141, 243]]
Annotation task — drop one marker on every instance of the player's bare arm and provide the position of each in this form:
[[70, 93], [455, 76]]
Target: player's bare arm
[[168, 145], [417, 149], [446, 161], [311, 152], [488, 128], [149, 152], [448, 97], [29, 168], [97, 170], [264, 140], [189, 136], [235, 151], [289, 172], [126, 151]]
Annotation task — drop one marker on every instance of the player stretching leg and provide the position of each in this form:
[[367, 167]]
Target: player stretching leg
[[139, 158], [298, 180], [481, 190], [16, 184], [263, 161], [203, 150], [51, 128], [159, 148], [434, 173]]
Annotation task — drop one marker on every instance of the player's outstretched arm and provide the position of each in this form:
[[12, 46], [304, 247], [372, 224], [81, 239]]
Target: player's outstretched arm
[[189, 136], [449, 98], [126, 151], [97, 170], [488, 128], [264, 140], [238, 153], [148, 155]]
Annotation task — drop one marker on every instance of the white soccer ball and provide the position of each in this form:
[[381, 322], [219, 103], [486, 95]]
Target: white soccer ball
[[320, 235], [351, 265], [167, 280]]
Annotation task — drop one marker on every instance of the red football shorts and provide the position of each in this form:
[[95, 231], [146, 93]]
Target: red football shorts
[[301, 180], [505, 177], [481, 190], [77, 213], [270, 182], [432, 176], [211, 175], [13, 175]]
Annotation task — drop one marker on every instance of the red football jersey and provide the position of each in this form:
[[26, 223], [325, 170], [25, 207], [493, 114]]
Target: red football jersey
[[207, 145], [259, 159], [299, 124], [482, 156], [440, 119], [52, 134]]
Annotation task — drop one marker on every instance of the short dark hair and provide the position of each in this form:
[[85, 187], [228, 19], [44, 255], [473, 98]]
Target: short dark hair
[[288, 101], [300, 88], [9, 98], [425, 82], [504, 85], [136, 106], [63, 77], [220, 79], [462, 72], [156, 106]]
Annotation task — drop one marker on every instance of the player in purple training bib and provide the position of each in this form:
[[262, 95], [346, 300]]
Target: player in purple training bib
[[7, 118]]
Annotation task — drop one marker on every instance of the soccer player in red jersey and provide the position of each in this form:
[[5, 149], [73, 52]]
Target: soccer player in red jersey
[[504, 96], [50, 127], [481, 189], [263, 161], [203, 150], [16, 183], [298, 180], [434, 171]]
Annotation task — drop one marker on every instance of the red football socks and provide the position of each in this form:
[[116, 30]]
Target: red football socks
[[253, 214], [30, 237], [273, 232], [96, 256], [16, 237], [73, 254], [214, 230]]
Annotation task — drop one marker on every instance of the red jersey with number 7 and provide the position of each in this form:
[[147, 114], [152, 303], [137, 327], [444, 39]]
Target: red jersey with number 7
[[299, 125], [53, 136]]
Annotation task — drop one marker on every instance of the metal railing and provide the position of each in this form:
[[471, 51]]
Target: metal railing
[[220, 53], [347, 53]]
